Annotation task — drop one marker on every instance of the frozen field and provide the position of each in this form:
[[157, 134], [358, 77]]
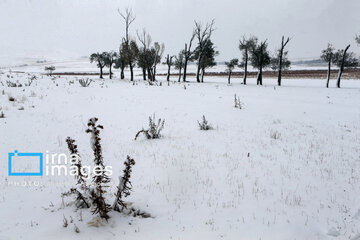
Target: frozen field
[[286, 166]]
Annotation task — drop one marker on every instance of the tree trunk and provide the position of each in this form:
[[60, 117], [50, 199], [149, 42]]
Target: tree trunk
[[280, 65], [259, 77], [185, 68], [339, 77], [179, 75], [341, 69], [229, 77], [131, 72], [168, 74], [245, 69], [283, 45], [185, 63], [122, 75], [101, 72], [198, 71], [144, 74], [279, 77], [154, 73], [328, 74], [149, 74], [202, 74], [110, 73]]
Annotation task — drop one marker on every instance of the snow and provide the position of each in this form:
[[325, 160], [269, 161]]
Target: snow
[[233, 182], [37, 64]]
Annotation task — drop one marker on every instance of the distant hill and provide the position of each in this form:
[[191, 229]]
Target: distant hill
[[311, 62]]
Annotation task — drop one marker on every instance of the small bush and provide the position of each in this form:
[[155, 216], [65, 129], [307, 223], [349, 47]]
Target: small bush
[[238, 103], [65, 222], [11, 99], [93, 197], [11, 84], [124, 187], [32, 78], [275, 135], [204, 125], [85, 82], [154, 129], [76, 229]]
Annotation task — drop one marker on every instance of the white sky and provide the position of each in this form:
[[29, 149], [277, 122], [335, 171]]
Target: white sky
[[79, 27]]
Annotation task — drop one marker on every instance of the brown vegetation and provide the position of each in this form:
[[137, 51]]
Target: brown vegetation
[[353, 73]]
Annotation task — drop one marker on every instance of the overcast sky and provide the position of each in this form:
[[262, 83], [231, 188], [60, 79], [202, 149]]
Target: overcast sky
[[79, 27]]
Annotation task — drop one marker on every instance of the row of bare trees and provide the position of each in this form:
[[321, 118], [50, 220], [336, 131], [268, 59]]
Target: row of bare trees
[[203, 54], [146, 56], [140, 51], [256, 52], [342, 58]]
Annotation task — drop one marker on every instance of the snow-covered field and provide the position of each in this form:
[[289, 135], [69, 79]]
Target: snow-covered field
[[286, 166], [37, 64]]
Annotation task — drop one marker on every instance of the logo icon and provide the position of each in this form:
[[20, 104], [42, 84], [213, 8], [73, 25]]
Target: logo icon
[[25, 164]]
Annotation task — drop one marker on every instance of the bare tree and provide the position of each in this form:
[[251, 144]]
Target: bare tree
[[179, 63], [343, 59], [159, 51], [110, 58], [202, 34], [145, 40], [129, 18], [327, 55], [187, 55], [245, 45], [280, 58], [169, 62], [120, 62]]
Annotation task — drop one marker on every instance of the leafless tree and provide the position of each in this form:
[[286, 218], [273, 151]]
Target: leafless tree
[[245, 46], [159, 51], [110, 58], [179, 63], [280, 57], [202, 34], [129, 18], [145, 40], [344, 59], [169, 62], [327, 55], [187, 54], [341, 68]]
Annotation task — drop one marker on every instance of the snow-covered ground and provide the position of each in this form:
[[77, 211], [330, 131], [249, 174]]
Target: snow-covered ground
[[286, 166], [37, 64]]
